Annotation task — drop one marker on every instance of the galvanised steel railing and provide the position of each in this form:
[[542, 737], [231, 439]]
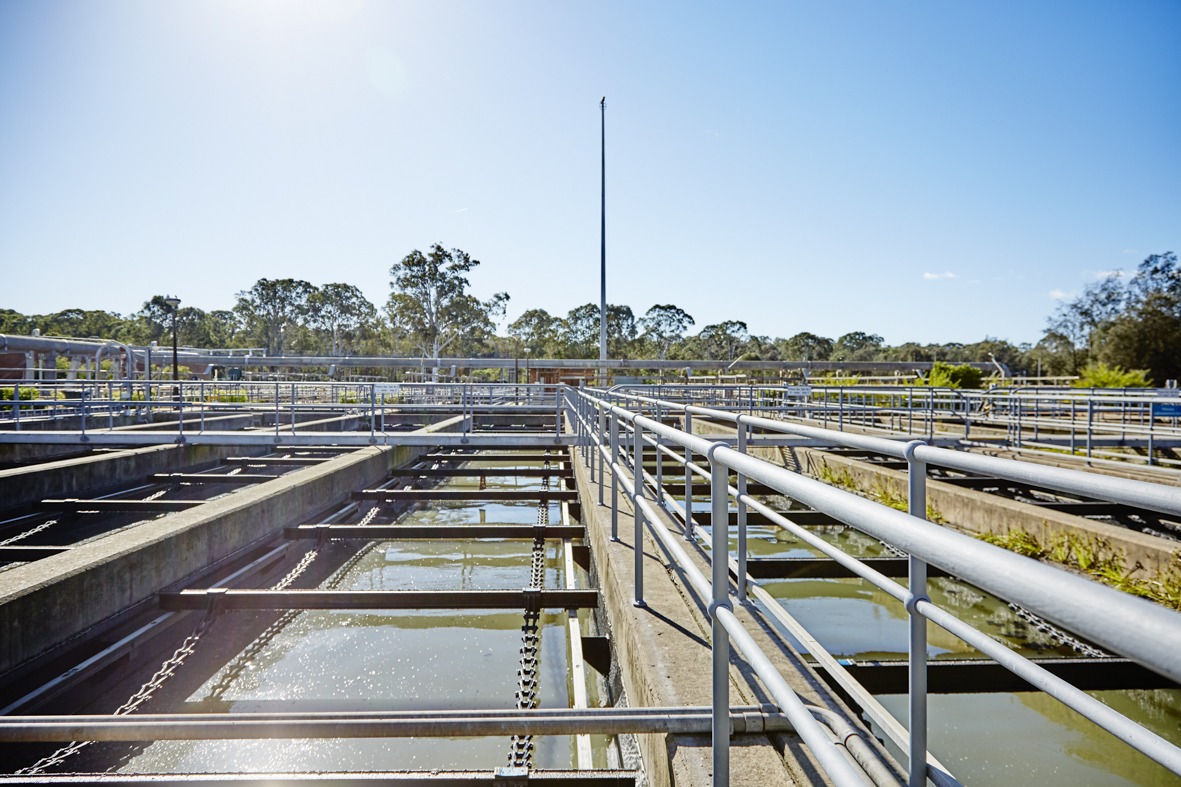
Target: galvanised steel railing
[[96, 405], [1137, 629], [1082, 421]]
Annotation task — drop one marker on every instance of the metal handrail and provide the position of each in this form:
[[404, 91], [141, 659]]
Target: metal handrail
[[1140, 630]]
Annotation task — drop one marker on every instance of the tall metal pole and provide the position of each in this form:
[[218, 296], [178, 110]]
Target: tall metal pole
[[173, 303], [174, 310], [603, 246]]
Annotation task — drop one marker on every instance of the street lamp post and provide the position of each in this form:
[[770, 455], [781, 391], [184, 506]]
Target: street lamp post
[[603, 244], [173, 302]]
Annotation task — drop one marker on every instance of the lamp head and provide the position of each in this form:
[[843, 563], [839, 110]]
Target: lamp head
[[172, 301]]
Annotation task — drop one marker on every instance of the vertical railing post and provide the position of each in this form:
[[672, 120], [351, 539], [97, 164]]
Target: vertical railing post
[[741, 517], [659, 457], [16, 399], [614, 422], [688, 481], [1072, 426], [602, 437], [85, 438], [201, 393], [917, 507], [293, 408], [1090, 423], [720, 548], [276, 409], [638, 486], [558, 413], [372, 410]]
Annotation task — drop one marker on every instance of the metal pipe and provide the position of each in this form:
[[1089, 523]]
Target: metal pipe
[[688, 479], [614, 478], [720, 654], [741, 517], [379, 724], [917, 655], [638, 496], [851, 739]]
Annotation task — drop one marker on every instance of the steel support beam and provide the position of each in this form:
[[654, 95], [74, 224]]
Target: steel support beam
[[220, 599], [392, 532], [109, 506], [508, 495]]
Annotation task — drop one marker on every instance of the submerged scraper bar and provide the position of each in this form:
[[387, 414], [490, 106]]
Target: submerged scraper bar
[[209, 478], [391, 532], [221, 599], [448, 472], [501, 777], [523, 495], [108, 506]]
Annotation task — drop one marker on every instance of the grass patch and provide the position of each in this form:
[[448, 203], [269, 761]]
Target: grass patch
[[1096, 557]]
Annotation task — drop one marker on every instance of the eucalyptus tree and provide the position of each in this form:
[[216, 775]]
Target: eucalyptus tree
[[539, 331], [273, 310], [857, 346], [341, 311], [431, 304], [806, 346], [1147, 332], [663, 325], [580, 333], [724, 338]]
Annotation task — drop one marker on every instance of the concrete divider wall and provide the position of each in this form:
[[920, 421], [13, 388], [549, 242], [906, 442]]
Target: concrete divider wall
[[96, 474], [48, 601]]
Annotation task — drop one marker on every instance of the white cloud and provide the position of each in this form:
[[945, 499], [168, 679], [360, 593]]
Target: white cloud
[[948, 275], [461, 210], [1105, 274], [1130, 251], [1058, 294]]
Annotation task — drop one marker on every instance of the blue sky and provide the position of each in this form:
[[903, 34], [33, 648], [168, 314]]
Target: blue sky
[[926, 171]]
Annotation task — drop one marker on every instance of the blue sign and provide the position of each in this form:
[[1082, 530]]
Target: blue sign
[[1166, 410]]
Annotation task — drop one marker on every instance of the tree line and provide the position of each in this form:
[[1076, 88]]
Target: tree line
[[1133, 322]]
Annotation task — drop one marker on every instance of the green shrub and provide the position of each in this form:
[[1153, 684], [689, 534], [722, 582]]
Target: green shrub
[[945, 375], [26, 394], [1100, 375]]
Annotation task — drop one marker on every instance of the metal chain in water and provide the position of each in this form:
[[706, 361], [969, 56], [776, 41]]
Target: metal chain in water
[[28, 533], [244, 659], [166, 671], [1058, 634], [169, 667], [50, 522], [521, 746]]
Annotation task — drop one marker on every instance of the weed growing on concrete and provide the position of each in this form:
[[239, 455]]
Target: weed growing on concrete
[[839, 477], [1096, 557], [886, 494], [1016, 541]]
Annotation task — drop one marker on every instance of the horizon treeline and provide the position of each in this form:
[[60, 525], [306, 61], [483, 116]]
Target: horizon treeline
[[1130, 321]]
